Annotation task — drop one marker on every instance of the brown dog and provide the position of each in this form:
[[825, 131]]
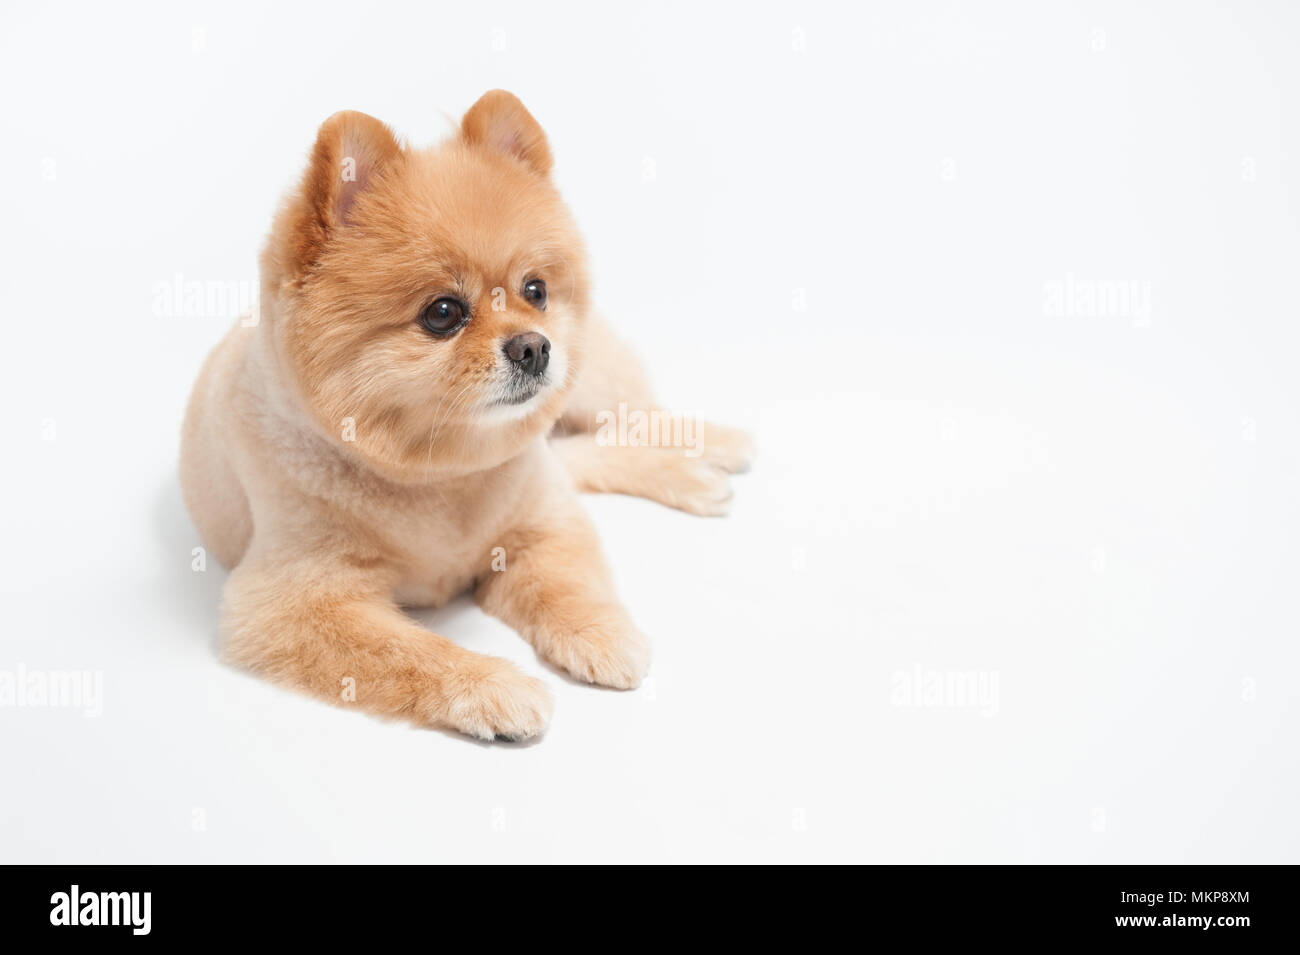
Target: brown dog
[[379, 437]]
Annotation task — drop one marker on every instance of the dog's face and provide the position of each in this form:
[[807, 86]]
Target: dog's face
[[429, 305]]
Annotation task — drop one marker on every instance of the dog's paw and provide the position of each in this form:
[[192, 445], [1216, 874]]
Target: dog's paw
[[497, 701], [728, 448], [608, 653], [698, 480], [695, 485]]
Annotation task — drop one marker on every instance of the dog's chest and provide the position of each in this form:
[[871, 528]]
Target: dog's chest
[[440, 557], [447, 538]]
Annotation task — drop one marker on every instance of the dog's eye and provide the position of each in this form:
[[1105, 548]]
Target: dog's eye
[[535, 292], [444, 316]]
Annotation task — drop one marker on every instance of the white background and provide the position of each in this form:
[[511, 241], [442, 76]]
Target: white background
[[849, 243]]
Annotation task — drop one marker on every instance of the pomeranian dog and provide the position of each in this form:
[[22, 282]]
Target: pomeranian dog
[[411, 416]]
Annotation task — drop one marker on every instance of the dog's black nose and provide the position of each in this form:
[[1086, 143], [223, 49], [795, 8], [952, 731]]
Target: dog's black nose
[[530, 351]]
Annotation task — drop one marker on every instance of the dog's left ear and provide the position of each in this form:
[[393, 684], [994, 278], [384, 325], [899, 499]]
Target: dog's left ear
[[499, 121], [351, 150]]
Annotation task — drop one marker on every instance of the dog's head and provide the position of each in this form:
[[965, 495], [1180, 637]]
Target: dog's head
[[429, 305]]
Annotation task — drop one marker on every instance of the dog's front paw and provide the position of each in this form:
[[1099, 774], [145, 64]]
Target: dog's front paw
[[728, 448], [698, 480], [609, 653], [695, 485], [496, 701]]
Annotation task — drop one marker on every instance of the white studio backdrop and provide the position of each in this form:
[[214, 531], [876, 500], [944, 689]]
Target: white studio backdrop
[[1005, 291]]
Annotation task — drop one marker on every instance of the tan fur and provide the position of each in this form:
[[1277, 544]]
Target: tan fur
[[345, 462]]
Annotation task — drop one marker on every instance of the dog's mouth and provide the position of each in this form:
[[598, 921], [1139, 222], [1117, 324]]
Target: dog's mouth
[[519, 398], [521, 391]]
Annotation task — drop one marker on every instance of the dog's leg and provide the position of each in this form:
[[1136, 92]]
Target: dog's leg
[[330, 629], [611, 374], [679, 462], [554, 589], [692, 484]]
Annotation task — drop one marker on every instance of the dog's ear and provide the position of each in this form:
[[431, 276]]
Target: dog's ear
[[351, 150], [499, 121]]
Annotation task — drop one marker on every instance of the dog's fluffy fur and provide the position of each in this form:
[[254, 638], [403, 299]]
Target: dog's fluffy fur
[[344, 461]]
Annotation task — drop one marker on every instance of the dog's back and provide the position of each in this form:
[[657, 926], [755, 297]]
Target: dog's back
[[213, 494]]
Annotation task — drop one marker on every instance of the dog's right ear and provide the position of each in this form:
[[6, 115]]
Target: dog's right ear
[[351, 150], [500, 122]]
